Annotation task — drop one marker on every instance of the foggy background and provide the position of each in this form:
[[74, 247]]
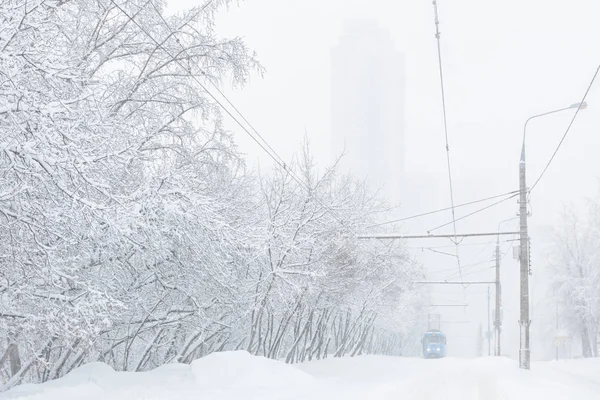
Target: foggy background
[[503, 62]]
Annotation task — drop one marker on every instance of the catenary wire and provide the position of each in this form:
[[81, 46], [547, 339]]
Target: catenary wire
[[474, 212], [439, 54], [567, 130], [271, 153], [442, 209]]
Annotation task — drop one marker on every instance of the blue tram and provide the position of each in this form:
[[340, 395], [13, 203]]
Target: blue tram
[[434, 344]]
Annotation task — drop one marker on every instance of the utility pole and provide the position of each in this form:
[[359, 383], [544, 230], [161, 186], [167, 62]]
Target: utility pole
[[524, 322], [479, 341], [489, 331], [497, 321], [556, 301]]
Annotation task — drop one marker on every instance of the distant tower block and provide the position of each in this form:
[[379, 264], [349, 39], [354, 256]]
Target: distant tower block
[[368, 105]]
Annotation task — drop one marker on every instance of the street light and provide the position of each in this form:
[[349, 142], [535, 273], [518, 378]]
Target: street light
[[524, 321], [581, 106]]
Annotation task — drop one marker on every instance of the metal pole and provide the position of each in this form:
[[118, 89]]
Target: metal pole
[[556, 301], [524, 322], [497, 321], [489, 330], [498, 316]]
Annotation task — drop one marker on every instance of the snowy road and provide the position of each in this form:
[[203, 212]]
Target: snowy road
[[485, 378], [228, 376]]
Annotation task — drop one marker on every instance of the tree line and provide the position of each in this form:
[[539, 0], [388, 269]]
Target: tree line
[[133, 233]]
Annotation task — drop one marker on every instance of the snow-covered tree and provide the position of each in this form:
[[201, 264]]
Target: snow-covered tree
[[321, 290], [576, 274], [119, 184], [131, 231]]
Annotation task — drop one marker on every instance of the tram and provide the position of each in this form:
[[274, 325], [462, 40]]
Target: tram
[[434, 344]]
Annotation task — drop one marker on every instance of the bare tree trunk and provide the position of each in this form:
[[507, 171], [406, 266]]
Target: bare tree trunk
[[268, 339], [18, 376], [282, 329], [14, 359], [189, 357], [145, 355], [292, 353], [314, 348], [363, 336], [59, 365], [326, 348]]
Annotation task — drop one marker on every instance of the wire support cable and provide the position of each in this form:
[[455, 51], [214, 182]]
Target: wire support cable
[[443, 93]]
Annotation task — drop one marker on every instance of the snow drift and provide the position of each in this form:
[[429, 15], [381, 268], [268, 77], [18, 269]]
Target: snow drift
[[239, 375], [228, 375]]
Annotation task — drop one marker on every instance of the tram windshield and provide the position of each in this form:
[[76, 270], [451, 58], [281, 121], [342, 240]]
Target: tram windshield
[[434, 339]]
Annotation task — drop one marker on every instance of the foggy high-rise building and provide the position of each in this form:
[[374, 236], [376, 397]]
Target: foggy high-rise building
[[367, 105]]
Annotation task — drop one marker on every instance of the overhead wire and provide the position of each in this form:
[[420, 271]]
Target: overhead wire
[[266, 147], [273, 156], [441, 209], [474, 212], [474, 271], [441, 252], [439, 53], [216, 87], [271, 152], [468, 269], [465, 267], [510, 245], [452, 245], [567, 130], [278, 159]]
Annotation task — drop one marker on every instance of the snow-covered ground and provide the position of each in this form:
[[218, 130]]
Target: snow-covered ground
[[238, 375]]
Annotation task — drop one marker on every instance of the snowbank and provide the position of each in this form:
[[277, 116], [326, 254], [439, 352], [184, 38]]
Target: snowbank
[[242, 369], [240, 376], [222, 376]]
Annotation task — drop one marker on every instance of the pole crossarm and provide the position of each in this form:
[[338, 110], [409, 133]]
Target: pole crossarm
[[455, 283], [457, 322], [450, 236]]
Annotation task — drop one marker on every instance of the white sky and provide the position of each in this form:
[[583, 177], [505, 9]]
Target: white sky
[[503, 62]]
